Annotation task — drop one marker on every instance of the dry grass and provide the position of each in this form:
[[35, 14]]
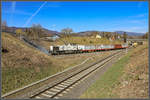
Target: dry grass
[[22, 64], [45, 43], [21, 54], [134, 82], [87, 41], [128, 78], [79, 40]]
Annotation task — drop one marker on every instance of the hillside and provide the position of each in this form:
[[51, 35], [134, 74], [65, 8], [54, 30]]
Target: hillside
[[130, 33], [46, 32], [20, 51], [84, 33], [135, 81], [22, 64]]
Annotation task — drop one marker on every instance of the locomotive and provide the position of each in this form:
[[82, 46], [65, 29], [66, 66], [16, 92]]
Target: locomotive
[[74, 48]]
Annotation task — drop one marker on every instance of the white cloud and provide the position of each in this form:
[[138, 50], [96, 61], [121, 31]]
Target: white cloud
[[132, 29], [139, 15], [17, 12], [53, 26], [13, 6], [34, 14], [141, 21]]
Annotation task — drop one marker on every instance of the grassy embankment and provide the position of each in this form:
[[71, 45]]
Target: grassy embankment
[[134, 82], [103, 87], [22, 64]]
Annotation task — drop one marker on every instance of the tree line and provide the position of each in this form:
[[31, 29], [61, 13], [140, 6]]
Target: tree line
[[35, 32]]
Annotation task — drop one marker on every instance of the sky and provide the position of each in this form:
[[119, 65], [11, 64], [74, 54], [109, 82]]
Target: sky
[[80, 16]]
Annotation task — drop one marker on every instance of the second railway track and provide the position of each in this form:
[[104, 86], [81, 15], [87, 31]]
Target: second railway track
[[57, 90]]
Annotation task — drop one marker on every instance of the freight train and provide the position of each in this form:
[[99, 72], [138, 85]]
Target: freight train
[[73, 48]]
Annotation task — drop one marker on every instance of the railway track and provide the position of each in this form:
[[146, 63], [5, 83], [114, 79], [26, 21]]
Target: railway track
[[61, 87], [57, 90]]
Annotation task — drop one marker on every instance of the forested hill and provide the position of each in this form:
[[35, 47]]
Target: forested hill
[[45, 31]]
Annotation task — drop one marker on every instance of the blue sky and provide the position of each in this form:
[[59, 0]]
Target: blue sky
[[80, 16]]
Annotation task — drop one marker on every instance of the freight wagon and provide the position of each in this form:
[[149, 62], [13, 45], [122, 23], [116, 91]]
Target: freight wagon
[[69, 49]]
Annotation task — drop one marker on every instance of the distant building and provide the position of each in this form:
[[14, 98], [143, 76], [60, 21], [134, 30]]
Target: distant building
[[54, 37], [98, 36]]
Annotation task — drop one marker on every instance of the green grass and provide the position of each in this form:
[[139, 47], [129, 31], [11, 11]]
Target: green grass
[[102, 87], [13, 78]]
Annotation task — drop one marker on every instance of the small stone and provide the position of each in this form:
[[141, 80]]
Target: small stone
[[143, 76], [142, 91], [124, 83]]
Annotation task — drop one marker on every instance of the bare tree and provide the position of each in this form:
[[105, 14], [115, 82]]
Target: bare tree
[[19, 32], [116, 35], [34, 32], [145, 36], [28, 32], [4, 26], [125, 37], [67, 30], [108, 35], [103, 34], [66, 33]]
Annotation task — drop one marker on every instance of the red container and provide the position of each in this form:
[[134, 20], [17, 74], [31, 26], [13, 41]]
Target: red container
[[117, 46]]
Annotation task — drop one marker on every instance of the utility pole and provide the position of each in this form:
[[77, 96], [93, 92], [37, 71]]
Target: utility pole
[[125, 37]]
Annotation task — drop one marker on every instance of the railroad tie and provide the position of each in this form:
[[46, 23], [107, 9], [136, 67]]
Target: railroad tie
[[64, 92], [70, 80], [37, 97], [46, 95], [68, 89], [49, 92], [53, 89], [60, 88], [60, 95], [65, 84], [60, 85], [56, 97]]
